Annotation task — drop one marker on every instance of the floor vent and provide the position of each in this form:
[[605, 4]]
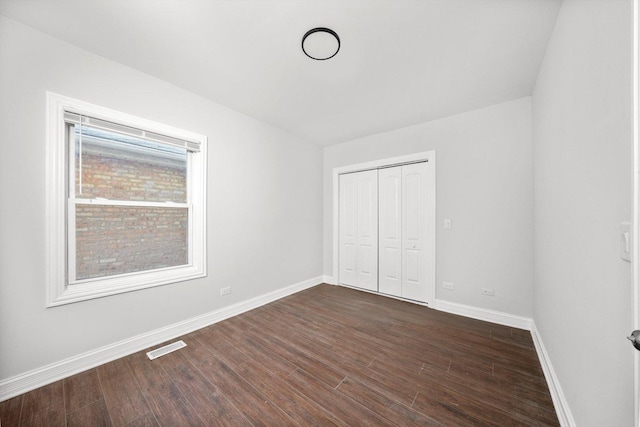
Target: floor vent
[[166, 349]]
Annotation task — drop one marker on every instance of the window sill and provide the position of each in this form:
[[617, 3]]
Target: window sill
[[126, 283]]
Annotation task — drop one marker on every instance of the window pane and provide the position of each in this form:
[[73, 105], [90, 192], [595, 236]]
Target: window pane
[[114, 240], [121, 167]]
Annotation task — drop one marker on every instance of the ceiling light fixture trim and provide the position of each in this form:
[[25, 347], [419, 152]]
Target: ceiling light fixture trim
[[321, 43]]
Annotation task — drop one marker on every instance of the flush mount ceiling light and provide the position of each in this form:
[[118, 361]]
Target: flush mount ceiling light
[[320, 43]]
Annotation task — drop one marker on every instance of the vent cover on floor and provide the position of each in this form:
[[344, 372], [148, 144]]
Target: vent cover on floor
[[166, 349]]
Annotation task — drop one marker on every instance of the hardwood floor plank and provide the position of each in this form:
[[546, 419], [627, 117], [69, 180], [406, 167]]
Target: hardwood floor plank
[[330, 375], [511, 376], [94, 414], [325, 354], [451, 410], [220, 346], [399, 341], [496, 387], [122, 394], [485, 390], [207, 399], [465, 365], [434, 341], [44, 406], [256, 351], [168, 404], [280, 328], [336, 344], [408, 374], [230, 332], [257, 407], [334, 313], [148, 420], [394, 412], [82, 389], [513, 336], [388, 384], [10, 411], [341, 406], [248, 320], [305, 321], [300, 408], [471, 341]]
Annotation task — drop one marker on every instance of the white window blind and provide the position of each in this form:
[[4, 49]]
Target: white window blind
[[79, 119]]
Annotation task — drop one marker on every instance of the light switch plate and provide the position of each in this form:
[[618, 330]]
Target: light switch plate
[[447, 224]]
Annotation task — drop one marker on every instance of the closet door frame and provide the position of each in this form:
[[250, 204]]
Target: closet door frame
[[428, 156]]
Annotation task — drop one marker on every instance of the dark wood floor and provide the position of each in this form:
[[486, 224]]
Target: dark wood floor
[[325, 356]]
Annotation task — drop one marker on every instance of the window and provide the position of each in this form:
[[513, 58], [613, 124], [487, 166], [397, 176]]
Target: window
[[126, 202]]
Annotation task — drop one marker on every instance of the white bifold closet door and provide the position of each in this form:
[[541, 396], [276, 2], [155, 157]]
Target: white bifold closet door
[[390, 210], [404, 256], [358, 225]]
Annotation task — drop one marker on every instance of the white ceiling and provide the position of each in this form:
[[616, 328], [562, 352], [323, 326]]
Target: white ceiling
[[401, 62]]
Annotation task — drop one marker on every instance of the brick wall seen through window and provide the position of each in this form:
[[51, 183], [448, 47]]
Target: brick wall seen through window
[[113, 240]]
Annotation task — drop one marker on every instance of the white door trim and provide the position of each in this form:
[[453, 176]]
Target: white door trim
[[635, 259], [429, 156]]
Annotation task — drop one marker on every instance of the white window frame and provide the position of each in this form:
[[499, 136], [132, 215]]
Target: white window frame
[[60, 207]]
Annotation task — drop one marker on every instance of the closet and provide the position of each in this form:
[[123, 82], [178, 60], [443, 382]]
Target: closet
[[386, 224]]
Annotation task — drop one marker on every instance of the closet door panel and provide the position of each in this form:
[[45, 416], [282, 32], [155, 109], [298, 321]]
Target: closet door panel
[[414, 232], [390, 198], [367, 230], [348, 230]]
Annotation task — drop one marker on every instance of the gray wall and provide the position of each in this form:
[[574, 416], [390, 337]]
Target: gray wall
[[483, 184], [582, 181], [264, 203]]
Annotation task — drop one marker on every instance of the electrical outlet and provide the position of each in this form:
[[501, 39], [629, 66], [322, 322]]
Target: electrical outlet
[[447, 285], [225, 291], [487, 291]]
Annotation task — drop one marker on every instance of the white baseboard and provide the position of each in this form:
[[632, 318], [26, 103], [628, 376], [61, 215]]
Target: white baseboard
[[56, 371], [329, 280], [559, 401], [498, 317]]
